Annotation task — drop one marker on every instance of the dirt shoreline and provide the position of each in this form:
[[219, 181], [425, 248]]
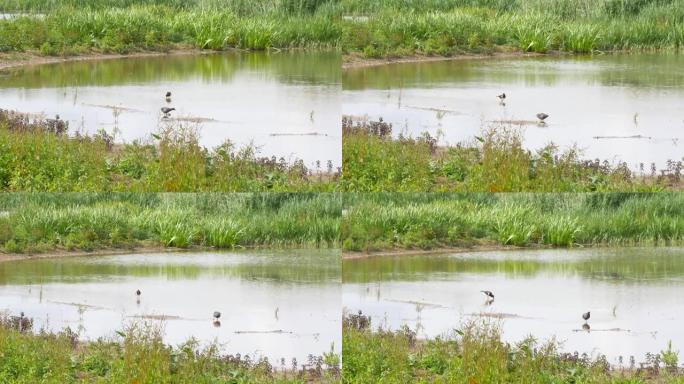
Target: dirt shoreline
[[16, 60], [347, 255], [356, 62], [56, 254]]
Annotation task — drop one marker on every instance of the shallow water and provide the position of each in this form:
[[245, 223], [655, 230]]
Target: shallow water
[[586, 97], [270, 99], [96, 296], [633, 295]]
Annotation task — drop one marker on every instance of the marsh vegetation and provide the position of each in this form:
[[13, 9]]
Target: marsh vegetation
[[33, 223], [376, 160], [36, 157], [387, 221]]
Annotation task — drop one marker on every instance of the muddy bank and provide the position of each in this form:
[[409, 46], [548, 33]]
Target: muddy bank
[[353, 61], [14, 60], [59, 253], [350, 255]]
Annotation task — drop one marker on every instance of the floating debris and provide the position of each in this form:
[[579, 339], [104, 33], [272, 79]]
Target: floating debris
[[157, 317], [299, 134], [624, 137], [517, 122], [438, 110], [605, 330], [191, 119], [496, 315], [424, 304], [114, 107]]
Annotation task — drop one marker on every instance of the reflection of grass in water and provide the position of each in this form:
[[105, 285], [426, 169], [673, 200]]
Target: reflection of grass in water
[[477, 354], [41, 222], [35, 158], [138, 354], [496, 161], [386, 221]]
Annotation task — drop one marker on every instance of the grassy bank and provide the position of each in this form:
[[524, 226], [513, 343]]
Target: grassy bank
[[34, 223], [40, 155], [373, 160], [68, 27], [476, 354], [138, 355], [423, 221], [449, 27]]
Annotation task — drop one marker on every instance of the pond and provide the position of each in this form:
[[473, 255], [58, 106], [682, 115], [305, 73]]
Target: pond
[[633, 295], [614, 107], [287, 104], [283, 304]]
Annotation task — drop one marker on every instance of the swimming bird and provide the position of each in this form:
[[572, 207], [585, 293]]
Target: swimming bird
[[489, 294], [168, 97], [167, 110], [137, 292], [217, 314], [586, 316], [501, 97], [542, 116]]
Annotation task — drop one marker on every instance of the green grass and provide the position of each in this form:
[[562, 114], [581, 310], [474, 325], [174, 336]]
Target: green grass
[[35, 158], [385, 221], [451, 27], [138, 355], [75, 26], [44, 222], [373, 160], [476, 354]]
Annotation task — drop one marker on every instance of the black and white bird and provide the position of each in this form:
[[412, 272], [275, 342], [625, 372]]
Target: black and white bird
[[586, 316], [489, 294], [168, 97], [166, 111], [137, 292], [501, 97], [217, 314], [542, 116]]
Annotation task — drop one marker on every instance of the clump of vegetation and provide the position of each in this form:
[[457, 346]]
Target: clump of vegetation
[[451, 27], [42, 222], [39, 155], [69, 27], [429, 220], [476, 354], [139, 355], [374, 160]]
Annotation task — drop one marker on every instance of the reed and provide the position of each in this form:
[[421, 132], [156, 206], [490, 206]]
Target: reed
[[45, 222], [424, 221]]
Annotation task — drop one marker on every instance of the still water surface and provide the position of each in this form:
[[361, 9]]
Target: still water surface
[[288, 104], [95, 296], [592, 101], [634, 295]]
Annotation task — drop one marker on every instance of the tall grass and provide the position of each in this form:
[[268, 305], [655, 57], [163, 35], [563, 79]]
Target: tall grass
[[84, 221], [424, 221], [476, 353], [76, 26], [449, 27], [32, 159], [497, 161], [138, 356]]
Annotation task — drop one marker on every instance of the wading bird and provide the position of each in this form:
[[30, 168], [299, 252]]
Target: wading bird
[[542, 116], [489, 294], [137, 293], [168, 97], [217, 314], [167, 110], [586, 316], [501, 97]]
